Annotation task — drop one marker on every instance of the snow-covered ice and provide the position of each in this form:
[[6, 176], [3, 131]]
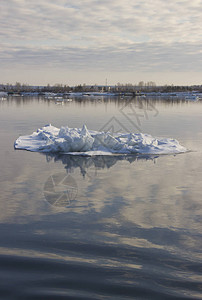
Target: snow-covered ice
[[81, 141], [3, 94]]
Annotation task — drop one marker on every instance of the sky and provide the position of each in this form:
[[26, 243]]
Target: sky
[[97, 41]]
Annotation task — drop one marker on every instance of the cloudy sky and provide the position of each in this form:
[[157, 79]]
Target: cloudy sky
[[87, 41]]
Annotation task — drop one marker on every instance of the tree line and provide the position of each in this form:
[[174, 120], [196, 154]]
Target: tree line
[[119, 87]]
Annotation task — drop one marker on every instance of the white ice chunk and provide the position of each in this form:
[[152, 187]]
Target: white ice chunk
[[85, 142]]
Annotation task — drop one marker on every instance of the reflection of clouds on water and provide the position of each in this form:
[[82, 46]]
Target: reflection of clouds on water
[[60, 189], [93, 181], [135, 189], [118, 189]]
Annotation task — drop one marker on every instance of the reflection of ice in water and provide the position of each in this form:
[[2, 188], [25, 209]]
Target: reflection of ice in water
[[89, 166], [60, 189]]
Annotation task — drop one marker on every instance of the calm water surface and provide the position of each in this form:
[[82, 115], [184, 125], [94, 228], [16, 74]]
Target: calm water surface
[[124, 227]]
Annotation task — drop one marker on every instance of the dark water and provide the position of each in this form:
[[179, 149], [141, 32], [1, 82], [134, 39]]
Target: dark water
[[101, 227]]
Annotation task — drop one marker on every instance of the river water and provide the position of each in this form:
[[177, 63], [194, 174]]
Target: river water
[[122, 227]]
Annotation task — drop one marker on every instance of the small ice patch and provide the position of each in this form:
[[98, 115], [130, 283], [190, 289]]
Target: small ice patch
[[82, 141]]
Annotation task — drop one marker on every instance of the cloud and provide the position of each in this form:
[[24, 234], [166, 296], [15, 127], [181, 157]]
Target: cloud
[[111, 35], [135, 57], [65, 20]]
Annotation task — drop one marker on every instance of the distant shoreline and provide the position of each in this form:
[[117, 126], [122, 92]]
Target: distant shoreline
[[68, 96], [119, 89]]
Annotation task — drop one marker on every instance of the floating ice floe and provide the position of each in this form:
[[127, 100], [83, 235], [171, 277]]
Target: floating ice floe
[[81, 141], [3, 95]]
